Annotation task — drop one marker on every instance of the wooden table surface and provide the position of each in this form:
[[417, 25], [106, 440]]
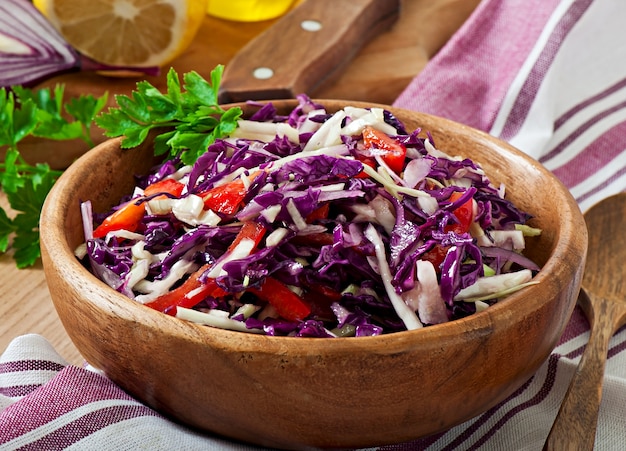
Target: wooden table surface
[[378, 73]]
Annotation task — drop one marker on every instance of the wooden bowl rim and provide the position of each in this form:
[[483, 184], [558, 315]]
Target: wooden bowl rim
[[571, 232]]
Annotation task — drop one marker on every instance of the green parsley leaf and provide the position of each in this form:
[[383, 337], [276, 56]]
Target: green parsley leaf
[[27, 248], [10, 179], [30, 199], [17, 123], [48, 108], [27, 202], [52, 123], [43, 114], [190, 109], [203, 92], [84, 109], [6, 229], [187, 115]]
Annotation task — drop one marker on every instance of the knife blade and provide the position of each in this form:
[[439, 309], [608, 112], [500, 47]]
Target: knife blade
[[304, 49]]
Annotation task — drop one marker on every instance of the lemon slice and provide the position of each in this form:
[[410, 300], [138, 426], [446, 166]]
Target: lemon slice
[[140, 33]]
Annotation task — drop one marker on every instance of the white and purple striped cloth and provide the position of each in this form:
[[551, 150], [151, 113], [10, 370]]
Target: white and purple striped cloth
[[549, 76], [46, 404]]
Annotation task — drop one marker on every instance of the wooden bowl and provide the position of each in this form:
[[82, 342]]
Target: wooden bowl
[[308, 392]]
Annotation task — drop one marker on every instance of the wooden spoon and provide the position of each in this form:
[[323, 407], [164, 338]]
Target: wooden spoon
[[603, 300]]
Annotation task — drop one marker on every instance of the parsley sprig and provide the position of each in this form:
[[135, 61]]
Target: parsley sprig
[[193, 116], [42, 114], [188, 115]]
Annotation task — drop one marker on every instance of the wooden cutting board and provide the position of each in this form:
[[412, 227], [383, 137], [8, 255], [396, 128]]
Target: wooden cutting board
[[377, 73]]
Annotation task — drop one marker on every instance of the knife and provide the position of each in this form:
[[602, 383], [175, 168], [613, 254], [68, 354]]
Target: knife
[[304, 49]]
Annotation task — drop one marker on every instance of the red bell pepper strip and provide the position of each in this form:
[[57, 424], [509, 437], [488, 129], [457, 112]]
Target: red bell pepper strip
[[464, 213], [321, 307], [226, 199], [367, 161], [322, 291], [314, 239], [193, 291], [127, 217], [249, 230], [320, 213], [166, 186], [187, 295], [287, 303], [395, 151], [436, 256]]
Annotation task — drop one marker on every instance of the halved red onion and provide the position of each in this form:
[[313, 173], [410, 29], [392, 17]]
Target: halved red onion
[[32, 50]]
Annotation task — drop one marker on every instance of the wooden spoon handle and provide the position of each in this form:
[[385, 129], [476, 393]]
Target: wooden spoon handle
[[576, 422], [297, 58]]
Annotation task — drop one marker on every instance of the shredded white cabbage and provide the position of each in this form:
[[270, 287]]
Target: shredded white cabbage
[[408, 316]]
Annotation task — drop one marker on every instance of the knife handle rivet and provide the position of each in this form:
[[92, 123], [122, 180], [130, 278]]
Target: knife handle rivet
[[262, 73], [311, 25]]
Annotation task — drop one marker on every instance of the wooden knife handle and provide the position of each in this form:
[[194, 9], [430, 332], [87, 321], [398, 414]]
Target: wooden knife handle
[[297, 56]]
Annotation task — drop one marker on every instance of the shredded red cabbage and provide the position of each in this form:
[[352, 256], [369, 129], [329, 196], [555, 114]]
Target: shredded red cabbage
[[367, 250]]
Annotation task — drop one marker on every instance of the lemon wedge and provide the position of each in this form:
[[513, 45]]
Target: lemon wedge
[[139, 33]]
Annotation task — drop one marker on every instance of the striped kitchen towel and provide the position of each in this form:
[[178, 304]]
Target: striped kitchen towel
[[548, 76], [46, 404]]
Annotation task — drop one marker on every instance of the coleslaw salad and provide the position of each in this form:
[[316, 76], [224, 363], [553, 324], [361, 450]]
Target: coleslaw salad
[[314, 224]]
